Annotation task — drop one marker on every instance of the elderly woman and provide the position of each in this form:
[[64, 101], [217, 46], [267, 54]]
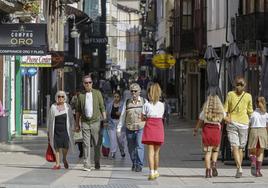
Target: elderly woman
[[60, 124]]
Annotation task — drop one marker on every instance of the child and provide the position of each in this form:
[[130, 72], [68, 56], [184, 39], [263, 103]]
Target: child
[[153, 133], [258, 136], [211, 116]]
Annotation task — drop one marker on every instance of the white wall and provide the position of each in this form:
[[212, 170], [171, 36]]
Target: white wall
[[216, 21]]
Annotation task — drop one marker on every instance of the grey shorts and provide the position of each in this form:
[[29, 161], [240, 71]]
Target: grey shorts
[[237, 136]]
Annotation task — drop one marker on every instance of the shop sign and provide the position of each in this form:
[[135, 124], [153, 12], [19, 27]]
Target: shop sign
[[98, 40], [163, 61], [29, 122], [32, 71], [23, 39], [36, 61]]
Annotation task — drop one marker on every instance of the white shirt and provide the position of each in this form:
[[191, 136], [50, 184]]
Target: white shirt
[[203, 118], [153, 110], [89, 105], [258, 119]]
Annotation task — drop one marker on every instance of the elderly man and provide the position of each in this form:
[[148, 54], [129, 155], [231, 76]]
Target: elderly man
[[238, 106], [131, 118], [90, 107]]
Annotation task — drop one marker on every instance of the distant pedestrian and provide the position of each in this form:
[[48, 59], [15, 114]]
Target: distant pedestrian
[[238, 105], [2, 112], [131, 118], [210, 120], [73, 103], [114, 109], [90, 108], [153, 134], [60, 128], [258, 141]]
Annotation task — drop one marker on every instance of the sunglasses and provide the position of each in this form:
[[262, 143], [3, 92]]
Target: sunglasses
[[239, 84], [87, 82], [134, 91], [60, 96]]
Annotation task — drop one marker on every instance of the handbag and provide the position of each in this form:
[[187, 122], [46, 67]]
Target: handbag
[[50, 157], [78, 136]]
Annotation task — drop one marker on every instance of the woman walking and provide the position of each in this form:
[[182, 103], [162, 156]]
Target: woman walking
[[60, 127], [153, 134], [114, 109], [210, 120], [258, 136]]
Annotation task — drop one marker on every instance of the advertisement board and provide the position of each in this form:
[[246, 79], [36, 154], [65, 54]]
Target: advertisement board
[[29, 122]]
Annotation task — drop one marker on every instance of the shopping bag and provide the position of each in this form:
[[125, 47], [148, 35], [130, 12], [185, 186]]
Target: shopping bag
[[105, 138], [50, 157], [105, 151], [78, 136]]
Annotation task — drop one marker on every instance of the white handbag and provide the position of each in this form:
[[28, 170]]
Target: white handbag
[[78, 136]]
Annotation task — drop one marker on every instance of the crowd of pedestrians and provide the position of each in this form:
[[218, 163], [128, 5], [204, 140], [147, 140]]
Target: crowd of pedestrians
[[134, 113]]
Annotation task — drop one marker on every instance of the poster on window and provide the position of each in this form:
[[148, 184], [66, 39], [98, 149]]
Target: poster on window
[[29, 122]]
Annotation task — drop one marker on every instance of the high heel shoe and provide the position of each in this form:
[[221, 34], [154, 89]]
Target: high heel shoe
[[208, 173], [55, 167]]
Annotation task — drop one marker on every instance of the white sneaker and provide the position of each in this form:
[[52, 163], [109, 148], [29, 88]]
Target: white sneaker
[[87, 169]]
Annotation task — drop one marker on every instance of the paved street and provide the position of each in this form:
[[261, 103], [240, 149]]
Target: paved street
[[22, 165]]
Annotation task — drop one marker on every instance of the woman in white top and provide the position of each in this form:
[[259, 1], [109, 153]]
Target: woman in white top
[[153, 133], [258, 136]]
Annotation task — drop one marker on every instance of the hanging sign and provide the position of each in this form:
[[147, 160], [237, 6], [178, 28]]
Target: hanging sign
[[163, 61], [29, 122], [23, 39], [36, 61]]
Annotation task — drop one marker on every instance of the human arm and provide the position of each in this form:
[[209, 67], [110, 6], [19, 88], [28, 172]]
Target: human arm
[[227, 118], [198, 125], [77, 115], [250, 107]]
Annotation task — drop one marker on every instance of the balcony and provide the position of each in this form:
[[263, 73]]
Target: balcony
[[252, 27]]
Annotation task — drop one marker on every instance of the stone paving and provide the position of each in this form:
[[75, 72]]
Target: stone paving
[[22, 165]]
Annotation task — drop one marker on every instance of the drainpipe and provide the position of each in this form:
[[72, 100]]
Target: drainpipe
[[227, 18]]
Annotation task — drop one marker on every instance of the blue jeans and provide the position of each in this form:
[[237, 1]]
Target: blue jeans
[[135, 147]]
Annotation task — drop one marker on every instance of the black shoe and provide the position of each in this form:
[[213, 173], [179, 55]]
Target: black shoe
[[123, 154], [81, 155], [97, 165], [133, 168], [138, 169]]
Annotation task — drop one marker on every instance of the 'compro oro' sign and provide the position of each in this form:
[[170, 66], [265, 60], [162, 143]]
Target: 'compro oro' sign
[[23, 39]]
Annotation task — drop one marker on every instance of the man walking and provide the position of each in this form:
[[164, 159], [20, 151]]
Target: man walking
[[131, 118], [90, 107], [238, 106]]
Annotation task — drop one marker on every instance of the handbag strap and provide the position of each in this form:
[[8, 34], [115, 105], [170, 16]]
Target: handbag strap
[[238, 103]]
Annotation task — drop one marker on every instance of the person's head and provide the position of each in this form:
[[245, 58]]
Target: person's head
[[135, 90], [213, 109], [87, 82], [240, 84], [117, 96], [261, 103], [154, 93], [60, 97]]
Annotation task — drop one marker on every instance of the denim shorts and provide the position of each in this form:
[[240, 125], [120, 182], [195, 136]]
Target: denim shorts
[[237, 136]]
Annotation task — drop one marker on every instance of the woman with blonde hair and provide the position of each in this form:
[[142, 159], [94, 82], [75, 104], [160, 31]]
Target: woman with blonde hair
[[153, 134], [258, 141], [210, 120], [60, 128]]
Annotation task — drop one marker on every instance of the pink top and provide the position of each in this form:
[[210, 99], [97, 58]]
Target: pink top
[[1, 109]]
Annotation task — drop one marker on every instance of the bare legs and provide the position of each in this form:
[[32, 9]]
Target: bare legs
[[211, 158], [256, 157], [57, 156], [153, 157]]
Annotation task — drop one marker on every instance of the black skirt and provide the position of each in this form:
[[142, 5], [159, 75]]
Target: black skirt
[[61, 138]]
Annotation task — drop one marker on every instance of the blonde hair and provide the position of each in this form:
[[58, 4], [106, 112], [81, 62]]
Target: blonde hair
[[213, 109], [261, 103], [154, 93]]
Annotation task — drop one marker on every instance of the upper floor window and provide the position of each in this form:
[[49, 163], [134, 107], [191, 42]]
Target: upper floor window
[[187, 15], [252, 6]]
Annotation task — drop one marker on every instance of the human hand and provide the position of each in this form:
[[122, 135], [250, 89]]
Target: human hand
[[195, 131], [228, 120], [77, 128]]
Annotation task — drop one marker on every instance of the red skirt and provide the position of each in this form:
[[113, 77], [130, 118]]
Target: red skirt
[[153, 132], [211, 135]]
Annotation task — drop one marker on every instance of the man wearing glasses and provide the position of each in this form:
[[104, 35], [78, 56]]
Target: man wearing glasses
[[131, 118], [90, 107], [238, 106]]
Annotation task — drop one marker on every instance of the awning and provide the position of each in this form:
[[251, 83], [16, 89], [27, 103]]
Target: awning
[[78, 13]]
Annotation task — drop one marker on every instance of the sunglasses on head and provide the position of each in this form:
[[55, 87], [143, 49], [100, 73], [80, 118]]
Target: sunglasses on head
[[134, 91], [60, 96], [239, 84], [88, 82]]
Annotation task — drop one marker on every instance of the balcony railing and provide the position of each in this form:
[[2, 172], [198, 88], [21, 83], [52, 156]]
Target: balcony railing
[[252, 27]]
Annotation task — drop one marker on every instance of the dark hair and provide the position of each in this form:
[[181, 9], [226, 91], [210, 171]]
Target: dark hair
[[117, 92]]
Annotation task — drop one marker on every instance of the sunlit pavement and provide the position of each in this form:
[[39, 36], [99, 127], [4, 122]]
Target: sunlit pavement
[[22, 164]]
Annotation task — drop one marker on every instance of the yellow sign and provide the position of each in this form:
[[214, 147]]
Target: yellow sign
[[163, 61]]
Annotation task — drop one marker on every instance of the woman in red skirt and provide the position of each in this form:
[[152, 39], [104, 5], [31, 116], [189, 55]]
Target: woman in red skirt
[[153, 133], [211, 117]]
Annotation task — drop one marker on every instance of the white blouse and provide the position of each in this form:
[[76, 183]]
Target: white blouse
[[151, 110], [258, 119]]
